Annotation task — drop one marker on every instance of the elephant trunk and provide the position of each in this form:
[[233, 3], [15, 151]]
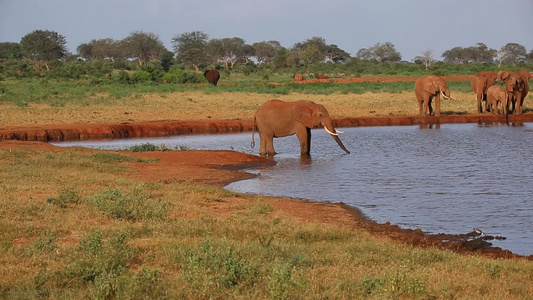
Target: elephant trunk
[[335, 135]]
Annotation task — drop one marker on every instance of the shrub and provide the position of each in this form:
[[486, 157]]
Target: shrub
[[136, 205], [141, 76], [123, 77]]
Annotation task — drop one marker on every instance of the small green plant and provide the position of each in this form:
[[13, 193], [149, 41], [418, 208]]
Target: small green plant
[[181, 147], [46, 242], [147, 147], [66, 196], [136, 205]]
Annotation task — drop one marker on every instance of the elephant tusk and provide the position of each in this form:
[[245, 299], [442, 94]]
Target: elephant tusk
[[332, 133], [444, 96], [338, 131]]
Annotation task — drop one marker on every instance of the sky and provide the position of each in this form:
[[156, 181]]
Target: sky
[[412, 26]]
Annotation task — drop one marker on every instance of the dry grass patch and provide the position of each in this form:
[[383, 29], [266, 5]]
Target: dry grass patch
[[220, 106]]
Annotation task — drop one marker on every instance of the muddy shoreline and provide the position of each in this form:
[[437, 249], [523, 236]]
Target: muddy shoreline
[[223, 167], [72, 132]]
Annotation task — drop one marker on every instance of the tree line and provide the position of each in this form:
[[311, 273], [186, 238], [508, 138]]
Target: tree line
[[197, 51]]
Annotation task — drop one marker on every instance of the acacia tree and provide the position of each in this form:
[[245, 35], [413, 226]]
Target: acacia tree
[[265, 51], [513, 53], [336, 54], [386, 52], [100, 49], [190, 47], [143, 46], [43, 46], [228, 51], [381, 52]]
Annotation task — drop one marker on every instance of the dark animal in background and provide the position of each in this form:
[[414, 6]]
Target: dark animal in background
[[212, 76], [322, 77]]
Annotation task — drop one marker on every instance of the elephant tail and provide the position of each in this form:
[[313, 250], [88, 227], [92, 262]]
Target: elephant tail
[[253, 133]]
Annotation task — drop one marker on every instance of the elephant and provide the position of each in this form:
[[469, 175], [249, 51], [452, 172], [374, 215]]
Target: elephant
[[503, 75], [480, 83], [212, 76], [429, 87], [276, 118], [322, 77], [517, 89], [525, 74], [298, 77], [497, 94]]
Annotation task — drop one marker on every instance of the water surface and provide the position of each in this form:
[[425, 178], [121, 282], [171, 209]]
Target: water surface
[[450, 179]]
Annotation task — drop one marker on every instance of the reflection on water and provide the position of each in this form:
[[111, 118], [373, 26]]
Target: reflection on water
[[448, 179]]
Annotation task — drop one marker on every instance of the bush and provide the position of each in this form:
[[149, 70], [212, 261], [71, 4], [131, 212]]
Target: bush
[[141, 77], [123, 77]]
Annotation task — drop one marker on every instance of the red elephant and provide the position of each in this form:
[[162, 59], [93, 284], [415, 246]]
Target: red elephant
[[212, 76], [298, 77]]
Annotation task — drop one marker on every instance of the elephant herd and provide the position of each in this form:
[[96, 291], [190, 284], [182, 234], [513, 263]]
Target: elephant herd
[[515, 91], [276, 118], [510, 96]]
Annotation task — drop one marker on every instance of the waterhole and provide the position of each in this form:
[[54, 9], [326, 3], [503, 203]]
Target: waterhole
[[449, 179]]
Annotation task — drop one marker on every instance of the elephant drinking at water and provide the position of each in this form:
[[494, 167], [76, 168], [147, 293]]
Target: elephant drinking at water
[[276, 118]]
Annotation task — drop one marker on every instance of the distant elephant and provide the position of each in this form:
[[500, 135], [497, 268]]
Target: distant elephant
[[427, 88], [517, 89], [503, 75], [276, 118], [322, 77], [480, 83], [298, 77], [212, 76], [497, 94]]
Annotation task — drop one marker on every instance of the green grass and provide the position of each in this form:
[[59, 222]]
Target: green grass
[[61, 93]]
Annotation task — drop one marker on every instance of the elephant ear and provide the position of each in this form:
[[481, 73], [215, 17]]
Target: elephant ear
[[304, 115], [430, 88]]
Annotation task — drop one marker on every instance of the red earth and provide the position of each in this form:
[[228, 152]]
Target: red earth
[[222, 167]]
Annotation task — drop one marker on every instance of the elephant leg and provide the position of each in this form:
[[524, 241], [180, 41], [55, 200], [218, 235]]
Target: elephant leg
[[266, 143], [429, 107], [305, 140], [479, 107], [425, 107], [437, 106], [421, 107]]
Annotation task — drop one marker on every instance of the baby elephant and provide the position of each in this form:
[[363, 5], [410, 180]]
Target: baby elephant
[[497, 94]]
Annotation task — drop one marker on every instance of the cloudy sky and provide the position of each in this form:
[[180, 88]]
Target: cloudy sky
[[411, 25]]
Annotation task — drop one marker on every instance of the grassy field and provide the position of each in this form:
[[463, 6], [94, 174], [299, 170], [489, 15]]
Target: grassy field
[[34, 102], [76, 226]]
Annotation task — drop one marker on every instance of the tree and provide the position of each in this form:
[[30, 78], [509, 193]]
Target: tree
[[426, 57], [190, 47], [265, 51], [311, 55], [142, 46], [43, 46], [315, 43], [233, 49], [381, 52], [457, 55], [10, 50], [281, 58], [513, 53], [482, 54], [364, 54], [386, 53], [336, 55], [529, 57]]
